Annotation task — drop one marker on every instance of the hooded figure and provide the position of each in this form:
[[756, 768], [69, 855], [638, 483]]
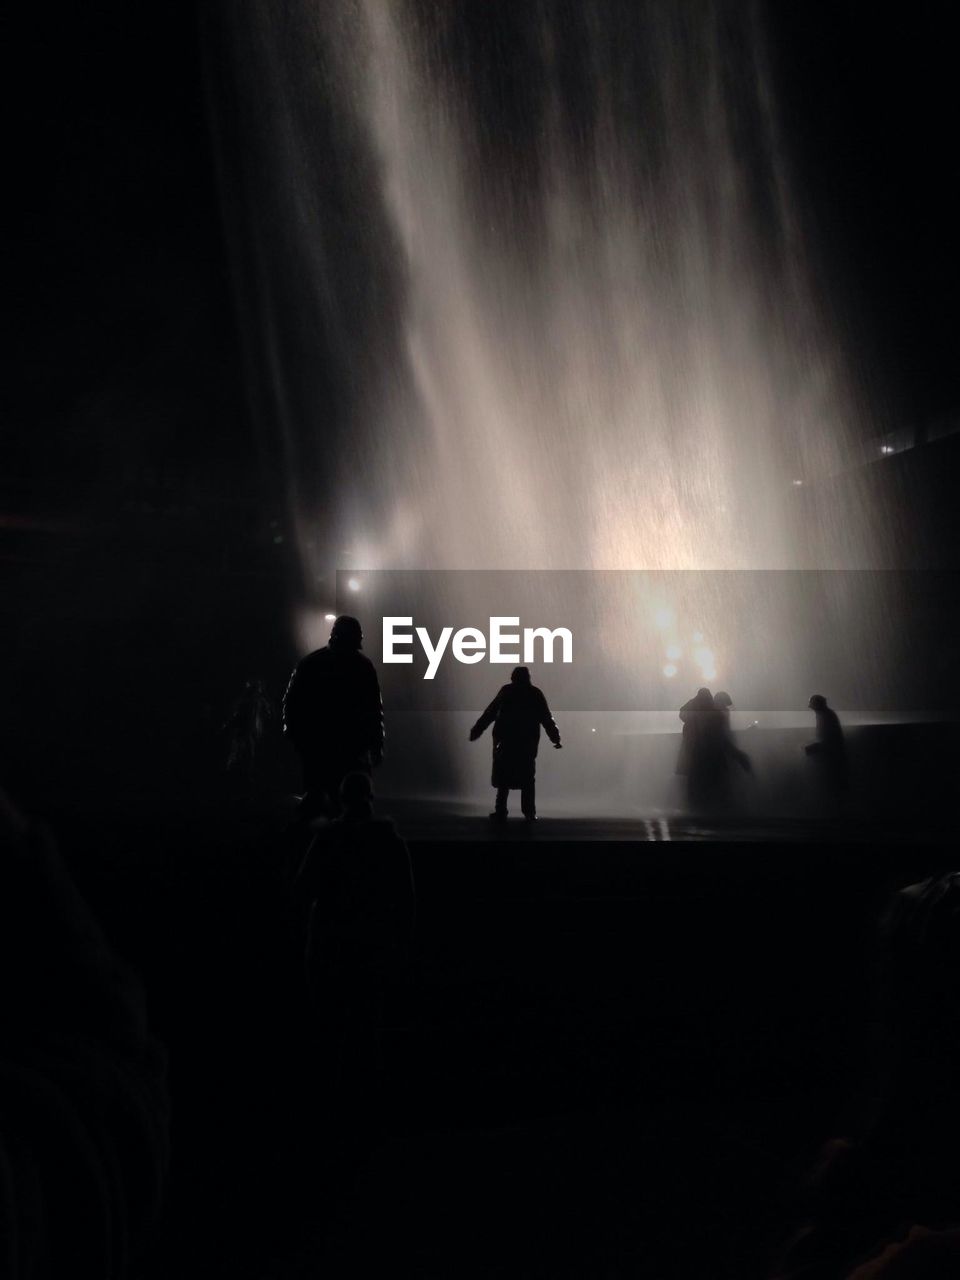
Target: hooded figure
[[517, 713], [693, 714], [333, 715]]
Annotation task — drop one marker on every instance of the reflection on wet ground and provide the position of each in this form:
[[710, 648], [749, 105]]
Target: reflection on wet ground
[[445, 820]]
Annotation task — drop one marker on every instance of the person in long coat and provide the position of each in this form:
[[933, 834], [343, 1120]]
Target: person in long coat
[[333, 715], [517, 714]]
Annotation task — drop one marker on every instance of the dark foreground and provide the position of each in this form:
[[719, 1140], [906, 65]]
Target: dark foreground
[[614, 1057]]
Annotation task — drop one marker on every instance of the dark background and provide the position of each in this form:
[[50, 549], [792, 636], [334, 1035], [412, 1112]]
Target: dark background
[[141, 513]]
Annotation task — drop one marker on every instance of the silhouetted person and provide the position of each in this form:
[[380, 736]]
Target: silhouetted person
[[708, 749], [358, 882], [245, 726], [333, 715], [723, 704], [517, 714], [692, 715], [829, 751], [84, 1104], [888, 1189]]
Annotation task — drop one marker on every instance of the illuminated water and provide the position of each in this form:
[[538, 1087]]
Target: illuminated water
[[552, 253], [612, 357]]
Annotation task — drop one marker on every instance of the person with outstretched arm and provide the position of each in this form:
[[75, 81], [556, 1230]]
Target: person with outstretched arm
[[517, 714]]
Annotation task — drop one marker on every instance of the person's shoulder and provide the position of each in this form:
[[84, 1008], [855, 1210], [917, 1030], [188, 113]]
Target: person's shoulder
[[316, 658]]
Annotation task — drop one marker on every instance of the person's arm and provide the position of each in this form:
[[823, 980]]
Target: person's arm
[[488, 717], [375, 705], [548, 722], [292, 706]]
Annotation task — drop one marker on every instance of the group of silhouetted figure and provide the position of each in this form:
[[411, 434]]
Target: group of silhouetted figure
[[333, 715]]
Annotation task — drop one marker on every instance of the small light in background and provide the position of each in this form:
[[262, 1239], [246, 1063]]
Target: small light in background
[[353, 584], [886, 448], [796, 483], [669, 670], [329, 617], [593, 731]]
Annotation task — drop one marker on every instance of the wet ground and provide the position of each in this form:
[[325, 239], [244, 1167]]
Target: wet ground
[[461, 822], [611, 1058]]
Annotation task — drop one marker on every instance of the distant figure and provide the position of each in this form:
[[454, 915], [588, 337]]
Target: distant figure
[[357, 883], [245, 726], [707, 750], [692, 715], [829, 750], [333, 715], [723, 704], [516, 713]]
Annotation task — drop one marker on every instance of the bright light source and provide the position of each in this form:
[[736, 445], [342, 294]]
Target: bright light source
[[353, 584], [674, 651], [796, 483], [663, 618], [593, 731], [329, 617], [886, 448], [669, 670]]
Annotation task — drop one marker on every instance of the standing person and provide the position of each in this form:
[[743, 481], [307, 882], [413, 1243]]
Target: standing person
[[829, 750], [516, 713], [333, 715], [693, 714], [707, 749], [246, 725]]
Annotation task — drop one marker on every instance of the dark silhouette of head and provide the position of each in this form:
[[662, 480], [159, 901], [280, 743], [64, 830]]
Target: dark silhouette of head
[[356, 795], [520, 675], [705, 697], [346, 633], [817, 702], [722, 700]]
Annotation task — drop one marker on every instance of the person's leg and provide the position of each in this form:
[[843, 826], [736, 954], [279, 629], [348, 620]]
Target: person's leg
[[500, 808], [528, 800]]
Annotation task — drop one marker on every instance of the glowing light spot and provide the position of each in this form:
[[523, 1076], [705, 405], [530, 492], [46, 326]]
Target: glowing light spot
[[669, 670], [353, 584], [796, 483], [674, 651], [329, 617], [886, 448], [593, 731], [663, 618]]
